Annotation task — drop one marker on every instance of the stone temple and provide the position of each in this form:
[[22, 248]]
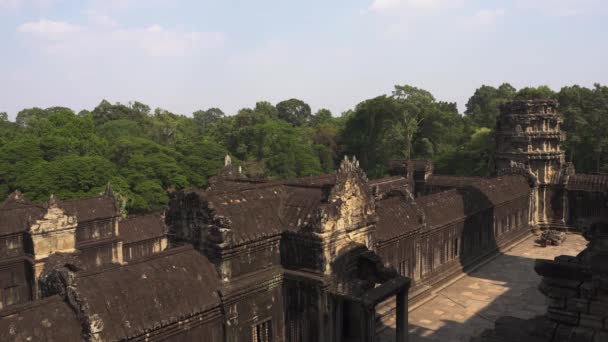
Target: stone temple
[[335, 258]]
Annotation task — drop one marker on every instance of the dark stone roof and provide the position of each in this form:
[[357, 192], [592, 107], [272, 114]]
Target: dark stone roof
[[90, 209], [396, 216], [451, 181], [591, 183], [495, 190], [144, 295], [19, 219], [15, 201], [264, 210], [400, 166], [442, 208], [49, 319], [142, 227], [470, 195], [383, 186], [503, 189]]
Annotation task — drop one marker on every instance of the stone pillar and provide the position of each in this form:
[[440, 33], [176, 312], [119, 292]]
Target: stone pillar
[[401, 317], [369, 323], [338, 322], [324, 332]]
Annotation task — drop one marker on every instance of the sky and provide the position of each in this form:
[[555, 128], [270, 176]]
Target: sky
[[184, 55]]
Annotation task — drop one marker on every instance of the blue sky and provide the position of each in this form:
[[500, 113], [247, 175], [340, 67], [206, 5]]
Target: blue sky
[[187, 55]]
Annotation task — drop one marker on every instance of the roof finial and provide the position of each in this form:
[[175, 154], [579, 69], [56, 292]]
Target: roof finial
[[109, 191], [52, 201], [16, 196], [227, 160]]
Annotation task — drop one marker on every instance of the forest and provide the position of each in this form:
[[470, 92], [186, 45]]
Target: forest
[[148, 154]]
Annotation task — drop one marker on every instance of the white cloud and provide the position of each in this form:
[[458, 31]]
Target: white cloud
[[564, 8], [388, 6], [48, 29], [103, 35], [158, 41], [485, 18], [108, 6], [16, 4]]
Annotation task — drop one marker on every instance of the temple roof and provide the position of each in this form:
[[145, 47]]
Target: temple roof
[[469, 195], [592, 183], [442, 208], [139, 297], [496, 190], [142, 227], [383, 186], [49, 319], [451, 181], [19, 219], [264, 210], [90, 209], [396, 216]]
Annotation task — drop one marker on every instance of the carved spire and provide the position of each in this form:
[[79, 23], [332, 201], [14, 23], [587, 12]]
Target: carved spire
[[227, 161]]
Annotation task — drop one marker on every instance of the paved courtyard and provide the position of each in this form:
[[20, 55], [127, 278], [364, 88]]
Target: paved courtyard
[[506, 286]]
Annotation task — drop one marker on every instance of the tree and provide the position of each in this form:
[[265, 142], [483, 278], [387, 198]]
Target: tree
[[483, 107], [203, 118], [29, 117], [106, 111], [68, 177], [365, 134], [3, 117], [294, 111], [322, 116], [586, 122], [531, 93], [266, 109], [203, 159]]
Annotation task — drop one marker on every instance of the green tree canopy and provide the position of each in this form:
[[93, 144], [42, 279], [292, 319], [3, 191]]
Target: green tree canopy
[[294, 111]]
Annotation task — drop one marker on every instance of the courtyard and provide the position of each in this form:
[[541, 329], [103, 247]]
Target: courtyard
[[505, 286]]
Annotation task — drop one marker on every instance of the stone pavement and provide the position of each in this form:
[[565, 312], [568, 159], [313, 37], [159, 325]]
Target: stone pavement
[[506, 286]]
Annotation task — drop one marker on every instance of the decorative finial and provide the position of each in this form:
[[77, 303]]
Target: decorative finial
[[53, 201], [348, 165], [16, 196], [227, 160], [109, 191]]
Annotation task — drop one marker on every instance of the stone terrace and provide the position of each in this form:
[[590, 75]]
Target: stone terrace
[[506, 285]]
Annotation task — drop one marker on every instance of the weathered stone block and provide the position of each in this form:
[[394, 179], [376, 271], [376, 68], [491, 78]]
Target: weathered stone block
[[598, 308], [580, 334], [600, 336], [563, 316], [591, 321], [557, 303], [577, 305], [562, 333]]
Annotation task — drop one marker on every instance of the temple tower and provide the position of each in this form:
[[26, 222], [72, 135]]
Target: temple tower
[[528, 141]]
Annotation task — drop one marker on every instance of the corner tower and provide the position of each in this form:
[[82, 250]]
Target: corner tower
[[528, 140]]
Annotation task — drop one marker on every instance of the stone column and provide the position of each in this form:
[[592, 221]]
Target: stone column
[[369, 323], [401, 317], [338, 319]]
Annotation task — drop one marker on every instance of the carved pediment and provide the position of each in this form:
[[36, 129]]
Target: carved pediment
[[54, 220], [351, 202]]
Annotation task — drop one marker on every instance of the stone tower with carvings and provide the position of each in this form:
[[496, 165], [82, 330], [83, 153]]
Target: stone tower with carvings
[[528, 141]]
